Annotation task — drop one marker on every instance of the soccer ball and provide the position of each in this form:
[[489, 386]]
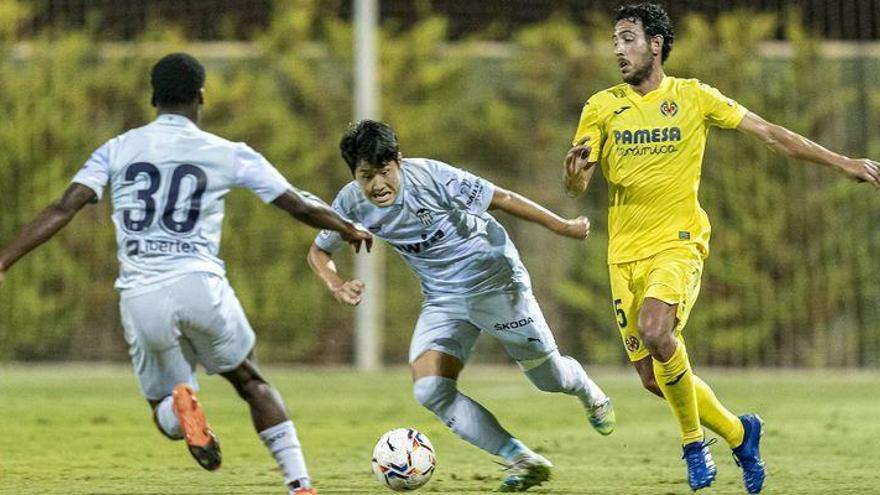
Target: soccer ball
[[403, 459]]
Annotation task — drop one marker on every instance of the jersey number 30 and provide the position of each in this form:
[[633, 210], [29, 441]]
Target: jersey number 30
[[147, 197]]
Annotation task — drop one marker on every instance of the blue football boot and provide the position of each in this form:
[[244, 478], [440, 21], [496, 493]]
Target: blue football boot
[[701, 466], [747, 455]]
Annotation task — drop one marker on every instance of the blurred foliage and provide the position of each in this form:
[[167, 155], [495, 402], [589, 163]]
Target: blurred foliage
[[791, 279]]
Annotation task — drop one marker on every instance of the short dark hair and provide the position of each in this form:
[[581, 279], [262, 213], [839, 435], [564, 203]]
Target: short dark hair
[[655, 21], [177, 79], [371, 141]]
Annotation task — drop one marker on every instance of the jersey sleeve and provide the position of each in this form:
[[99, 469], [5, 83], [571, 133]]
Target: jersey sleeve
[[461, 189], [95, 173], [330, 240], [588, 125], [719, 110], [255, 173]]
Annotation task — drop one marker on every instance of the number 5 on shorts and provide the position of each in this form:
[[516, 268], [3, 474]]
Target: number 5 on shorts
[[621, 316]]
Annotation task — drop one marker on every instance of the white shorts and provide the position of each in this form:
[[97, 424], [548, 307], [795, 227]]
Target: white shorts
[[452, 325], [194, 319]]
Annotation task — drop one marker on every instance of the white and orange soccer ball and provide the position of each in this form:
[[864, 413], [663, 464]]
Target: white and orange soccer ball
[[404, 459]]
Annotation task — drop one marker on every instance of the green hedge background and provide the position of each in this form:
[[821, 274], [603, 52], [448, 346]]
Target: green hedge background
[[793, 279]]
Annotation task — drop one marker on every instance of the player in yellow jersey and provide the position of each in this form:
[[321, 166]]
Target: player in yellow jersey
[[648, 135]]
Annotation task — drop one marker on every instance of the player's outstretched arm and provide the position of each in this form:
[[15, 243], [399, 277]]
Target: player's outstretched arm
[[522, 207], [345, 291], [312, 211], [790, 143], [578, 169], [45, 225]]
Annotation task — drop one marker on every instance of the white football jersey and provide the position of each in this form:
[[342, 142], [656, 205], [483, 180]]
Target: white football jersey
[[440, 225], [168, 181]]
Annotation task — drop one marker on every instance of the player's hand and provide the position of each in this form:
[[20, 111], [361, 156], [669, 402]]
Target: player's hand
[[576, 165], [576, 228], [863, 170], [357, 235], [349, 292]]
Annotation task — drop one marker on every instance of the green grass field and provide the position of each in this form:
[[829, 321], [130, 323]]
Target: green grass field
[[85, 430]]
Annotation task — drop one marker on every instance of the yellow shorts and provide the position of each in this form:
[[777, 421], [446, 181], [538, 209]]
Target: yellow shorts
[[672, 276]]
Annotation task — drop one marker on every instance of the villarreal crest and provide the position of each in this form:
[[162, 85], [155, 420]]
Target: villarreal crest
[[669, 108]]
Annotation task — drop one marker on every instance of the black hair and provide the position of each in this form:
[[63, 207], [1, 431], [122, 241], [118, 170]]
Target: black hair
[[655, 21], [371, 141], [177, 79]]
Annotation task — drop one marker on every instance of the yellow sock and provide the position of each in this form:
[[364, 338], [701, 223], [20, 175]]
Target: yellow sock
[[716, 417], [677, 383]]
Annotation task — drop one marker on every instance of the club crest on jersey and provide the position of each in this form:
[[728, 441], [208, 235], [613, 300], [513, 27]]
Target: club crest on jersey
[[425, 216], [669, 108], [632, 343]]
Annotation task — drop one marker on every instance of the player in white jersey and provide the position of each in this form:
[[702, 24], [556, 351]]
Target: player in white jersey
[[435, 216], [168, 181]]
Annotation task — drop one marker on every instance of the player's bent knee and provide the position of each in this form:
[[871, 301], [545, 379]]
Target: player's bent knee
[[248, 381], [260, 388], [435, 392], [546, 377], [656, 325], [653, 345], [557, 374], [253, 388], [650, 327], [656, 333]]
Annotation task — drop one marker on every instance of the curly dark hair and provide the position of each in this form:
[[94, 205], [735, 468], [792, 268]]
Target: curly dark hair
[[371, 141], [177, 79], [655, 21]]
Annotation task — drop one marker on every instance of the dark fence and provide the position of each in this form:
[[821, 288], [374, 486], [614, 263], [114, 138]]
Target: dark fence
[[241, 19], [794, 276]]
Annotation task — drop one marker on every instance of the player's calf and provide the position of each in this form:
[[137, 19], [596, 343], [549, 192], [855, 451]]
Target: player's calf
[[645, 368], [465, 417], [564, 374], [266, 405], [274, 427]]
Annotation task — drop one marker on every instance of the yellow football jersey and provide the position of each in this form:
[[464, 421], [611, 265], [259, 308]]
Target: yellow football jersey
[[651, 149]]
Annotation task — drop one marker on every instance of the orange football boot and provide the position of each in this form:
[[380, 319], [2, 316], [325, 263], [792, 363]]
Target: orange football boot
[[200, 440]]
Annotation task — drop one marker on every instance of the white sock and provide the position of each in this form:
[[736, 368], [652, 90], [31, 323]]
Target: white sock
[[300, 483], [513, 449], [167, 419], [283, 444], [594, 395], [564, 374], [462, 415]]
